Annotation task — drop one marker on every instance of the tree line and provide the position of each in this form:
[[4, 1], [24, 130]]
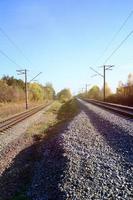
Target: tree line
[[123, 95], [13, 90], [96, 93], [124, 92]]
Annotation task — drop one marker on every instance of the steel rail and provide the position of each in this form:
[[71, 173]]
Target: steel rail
[[123, 110], [15, 119]]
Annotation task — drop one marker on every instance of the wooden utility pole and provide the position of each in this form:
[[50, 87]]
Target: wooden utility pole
[[104, 83], [26, 90], [105, 67], [24, 71], [86, 88]]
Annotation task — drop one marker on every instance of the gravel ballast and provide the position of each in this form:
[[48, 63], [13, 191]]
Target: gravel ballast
[[17, 155], [91, 159], [18, 130]]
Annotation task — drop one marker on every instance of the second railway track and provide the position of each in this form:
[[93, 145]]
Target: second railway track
[[15, 119], [120, 109]]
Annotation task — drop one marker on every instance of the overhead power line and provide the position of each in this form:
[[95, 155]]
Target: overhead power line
[[105, 67], [35, 77], [121, 27], [115, 35], [97, 73], [15, 45], [122, 42], [21, 72], [10, 59]]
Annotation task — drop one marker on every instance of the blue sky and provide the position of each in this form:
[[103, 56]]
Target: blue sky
[[63, 38]]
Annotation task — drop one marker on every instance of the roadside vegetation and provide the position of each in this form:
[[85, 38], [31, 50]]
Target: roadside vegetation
[[123, 94], [8, 109], [96, 93], [12, 95], [64, 95], [56, 116], [13, 90]]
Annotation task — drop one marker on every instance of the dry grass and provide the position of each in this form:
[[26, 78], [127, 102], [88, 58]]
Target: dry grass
[[49, 119], [52, 119], [8, 109]]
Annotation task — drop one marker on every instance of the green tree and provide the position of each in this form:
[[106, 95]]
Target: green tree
[[11, 81], [94, 92], [10, 93], [64, 95], [12, 90], [49, 92], [36, 92]]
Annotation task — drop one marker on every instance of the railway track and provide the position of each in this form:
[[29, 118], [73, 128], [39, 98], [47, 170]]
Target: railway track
[[123, 110], [15, 119]]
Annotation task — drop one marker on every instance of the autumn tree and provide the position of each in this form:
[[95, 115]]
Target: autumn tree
[[130, 79], [36, 92], [64, 95], [49, 92], [108, 91], [94, 92], [10, 93], [11, 81]]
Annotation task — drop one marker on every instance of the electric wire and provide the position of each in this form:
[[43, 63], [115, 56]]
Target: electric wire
[[15, 45], [115, 35], [118, 47], [10, 59]]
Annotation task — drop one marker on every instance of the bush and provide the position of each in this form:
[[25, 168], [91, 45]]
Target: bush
[[120, 99], [36, 92], [64, 95], [68, 110]]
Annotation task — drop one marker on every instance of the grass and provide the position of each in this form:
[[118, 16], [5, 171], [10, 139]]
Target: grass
[[55, 107], [8, 109], [49, 119], [52, 119], [68, 110]]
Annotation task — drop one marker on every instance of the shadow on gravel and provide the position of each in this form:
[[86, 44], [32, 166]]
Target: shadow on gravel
[[15, 178], [37, 172], [50, 172], [115, 136]]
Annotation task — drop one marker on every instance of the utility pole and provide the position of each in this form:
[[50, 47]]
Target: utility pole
[[86, 86], [104, 83], [105, 67], [24, 71], [26, 91], [20, 72]]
